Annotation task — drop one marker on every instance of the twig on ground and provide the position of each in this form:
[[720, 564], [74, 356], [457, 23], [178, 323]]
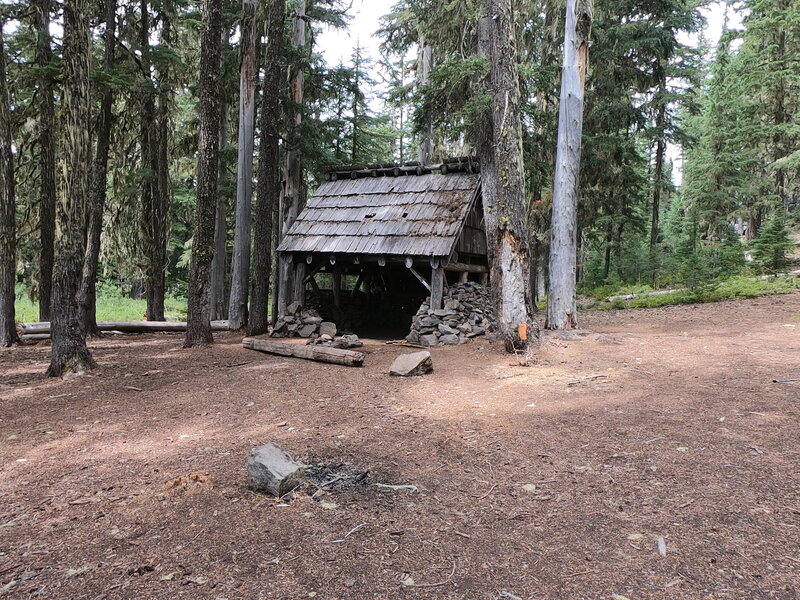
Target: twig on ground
[[785, 380], [440, 583], [487, 494]]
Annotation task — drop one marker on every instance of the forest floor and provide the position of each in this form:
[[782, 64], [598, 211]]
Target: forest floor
[[565, 480]]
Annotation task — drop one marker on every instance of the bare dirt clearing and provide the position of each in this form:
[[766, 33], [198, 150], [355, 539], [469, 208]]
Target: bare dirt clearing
[[555, 481]]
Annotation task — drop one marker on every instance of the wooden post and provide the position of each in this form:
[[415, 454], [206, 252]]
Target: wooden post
[[337, 287], [284, 282], [463, 277], [358, 284], [437, 287], [299, 291]]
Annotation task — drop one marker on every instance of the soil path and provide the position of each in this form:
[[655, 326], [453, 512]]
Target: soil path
[[558, 481]]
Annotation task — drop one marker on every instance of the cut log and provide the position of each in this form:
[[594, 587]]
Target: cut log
[[125, 326], [317, 353]]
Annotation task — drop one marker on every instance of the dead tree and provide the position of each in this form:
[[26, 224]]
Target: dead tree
[[426, 143], [268, 191], [69, 352], [561, 304], [240, 272], [8, 214], [502, 182], [198, 322]]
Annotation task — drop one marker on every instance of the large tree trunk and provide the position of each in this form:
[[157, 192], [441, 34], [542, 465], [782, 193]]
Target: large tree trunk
[[69, 352], [219, 264], [504, 189], [293, 175], [561, 306], [198, 322], [240, 272], [426, 143], [88, 292], [159, 228], [268, 191], [47, 156], [658, 171], [8, 215]]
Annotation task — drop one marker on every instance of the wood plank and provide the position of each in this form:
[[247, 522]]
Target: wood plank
[[437, 288], [325, 354]]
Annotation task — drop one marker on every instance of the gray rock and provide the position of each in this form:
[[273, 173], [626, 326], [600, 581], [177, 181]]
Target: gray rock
[[429, 340], [409, 365], [327, 328], [312, 320], [325, 338], [446, 330], [293, 308], [465, 328], [444, 312], [271, 470], [413, 337], [307, 330], [292, 328], [348, 341], [429, 321], [449, 340]]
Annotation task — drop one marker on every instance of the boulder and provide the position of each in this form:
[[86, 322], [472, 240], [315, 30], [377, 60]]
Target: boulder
[[327, 328], [410, 365], [348, 341], [447, 330], [413, 337], [312, 320], [449, 340], [272, 471], [428, 340], [307, 330], [293, 308]]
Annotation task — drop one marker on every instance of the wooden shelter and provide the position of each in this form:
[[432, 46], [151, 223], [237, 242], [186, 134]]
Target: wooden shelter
[[394, 225]]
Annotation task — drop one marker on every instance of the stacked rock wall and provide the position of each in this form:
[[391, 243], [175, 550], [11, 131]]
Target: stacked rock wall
[[304, 323], [467, 313]]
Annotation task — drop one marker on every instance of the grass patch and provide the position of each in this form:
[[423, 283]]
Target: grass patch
[[729, 289], [112, 305]]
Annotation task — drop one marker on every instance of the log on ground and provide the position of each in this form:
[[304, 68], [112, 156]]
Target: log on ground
[[125, 326], [316, 353]]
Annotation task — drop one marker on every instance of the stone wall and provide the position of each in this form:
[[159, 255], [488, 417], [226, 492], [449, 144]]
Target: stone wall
[[302, 322], [467, 313]]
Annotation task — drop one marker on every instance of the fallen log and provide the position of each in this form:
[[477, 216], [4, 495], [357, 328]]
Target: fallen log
[[325, 354], [124, 327]]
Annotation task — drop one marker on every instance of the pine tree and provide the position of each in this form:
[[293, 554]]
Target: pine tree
[[69, 351], [773, 243], [8, 214], [198, 330]]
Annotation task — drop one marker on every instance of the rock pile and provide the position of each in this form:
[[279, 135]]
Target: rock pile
[[344, 342], [467, 313], [304, 323]]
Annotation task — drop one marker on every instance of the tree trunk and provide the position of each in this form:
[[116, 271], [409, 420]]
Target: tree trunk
[[293, 174], [8, 215], [561, 305], [159, 228], [240, 272], [198, 325], [88, 292], [69, 352], [268, 191], [47, 156], [658, 171], [426, 143], [506, 225], [219, 264]]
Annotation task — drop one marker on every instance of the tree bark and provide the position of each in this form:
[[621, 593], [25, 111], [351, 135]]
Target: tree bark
[[658, 171], [561, 305], [293, 175], [505, 212], [47, 156], [218, 265], [268, 191], [69, 351], [198, 325], [240, 272], [88, 292], [8, 214], [426, 143]]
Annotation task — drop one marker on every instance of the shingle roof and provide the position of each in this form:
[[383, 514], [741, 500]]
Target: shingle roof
[[416, 215]]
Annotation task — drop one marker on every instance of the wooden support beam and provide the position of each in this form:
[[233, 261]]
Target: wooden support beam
[[358, 284], [437, 287], [457, 266], [317, 353], [313, 281], [285, 273], [313, 272], [463, 277], [299, 290], [337, 287], [421, 278]]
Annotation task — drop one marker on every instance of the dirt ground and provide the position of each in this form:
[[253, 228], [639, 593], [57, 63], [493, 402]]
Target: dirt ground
[[565, 480]]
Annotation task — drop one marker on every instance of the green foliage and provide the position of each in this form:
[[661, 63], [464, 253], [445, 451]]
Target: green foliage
[[773, 243], [112, 305]]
